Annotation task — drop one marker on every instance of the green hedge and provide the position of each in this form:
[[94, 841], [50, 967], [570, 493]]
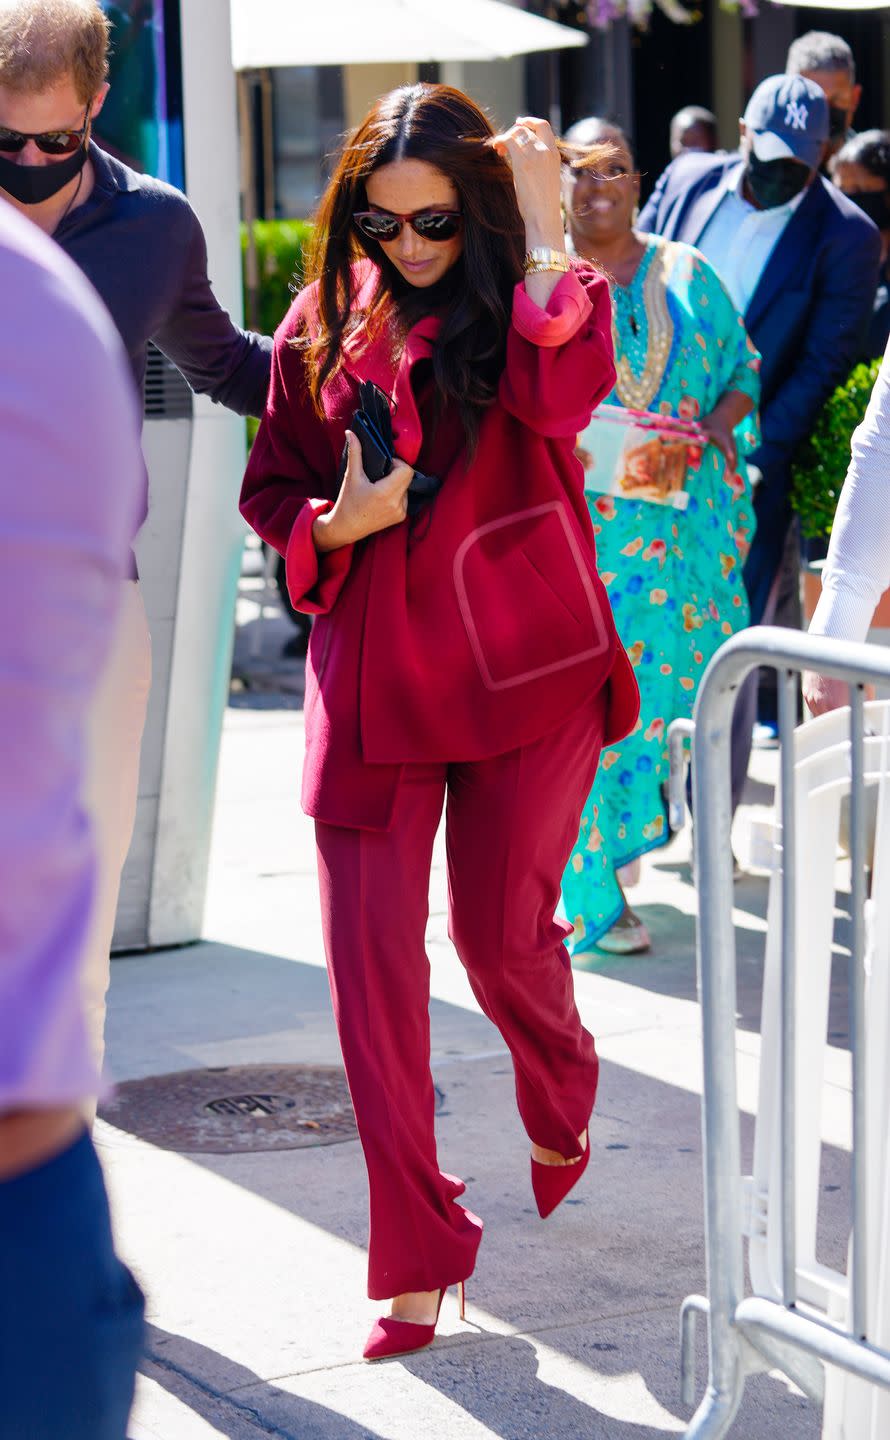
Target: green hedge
[[820, 465], [280, 247]]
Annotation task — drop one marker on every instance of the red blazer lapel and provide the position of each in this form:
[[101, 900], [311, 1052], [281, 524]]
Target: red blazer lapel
[[407, 428], [374, 362]]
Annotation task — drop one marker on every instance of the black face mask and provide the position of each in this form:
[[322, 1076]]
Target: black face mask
[[775, 182], [873, 203], [837, 123], [31, 184]]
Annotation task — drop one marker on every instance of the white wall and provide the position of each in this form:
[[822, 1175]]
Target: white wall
[[189, 549]]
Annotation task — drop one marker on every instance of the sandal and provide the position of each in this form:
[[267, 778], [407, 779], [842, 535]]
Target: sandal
[[628, 936]]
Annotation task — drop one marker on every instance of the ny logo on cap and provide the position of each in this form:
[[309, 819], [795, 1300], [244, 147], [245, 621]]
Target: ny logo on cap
[[796, 115]]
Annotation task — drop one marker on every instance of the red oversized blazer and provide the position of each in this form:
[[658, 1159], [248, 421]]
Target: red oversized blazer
[[484, 625]]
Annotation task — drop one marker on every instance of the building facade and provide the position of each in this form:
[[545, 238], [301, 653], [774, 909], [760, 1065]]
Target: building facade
[[638, 79]]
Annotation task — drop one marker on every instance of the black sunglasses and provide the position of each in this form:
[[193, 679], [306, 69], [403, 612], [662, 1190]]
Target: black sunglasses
[[49, 142], [430, 224]]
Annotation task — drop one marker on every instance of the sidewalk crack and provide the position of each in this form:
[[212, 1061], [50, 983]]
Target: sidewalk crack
[[222, 1397], [484, 1337]]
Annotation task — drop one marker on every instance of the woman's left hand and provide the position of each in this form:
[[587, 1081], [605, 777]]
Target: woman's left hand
[[719, 432], [529, 147]]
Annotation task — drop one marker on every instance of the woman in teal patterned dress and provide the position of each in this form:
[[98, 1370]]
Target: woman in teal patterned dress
[[674, 576]]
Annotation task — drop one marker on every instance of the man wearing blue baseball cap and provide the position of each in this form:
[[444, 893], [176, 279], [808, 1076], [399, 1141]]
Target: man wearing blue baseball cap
[[784, 134], [801, 264]]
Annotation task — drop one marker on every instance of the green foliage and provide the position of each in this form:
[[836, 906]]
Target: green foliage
[[820, 465], [280, 246]]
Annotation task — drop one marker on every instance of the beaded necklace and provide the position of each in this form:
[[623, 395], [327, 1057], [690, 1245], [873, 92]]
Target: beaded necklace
[[642, 329]]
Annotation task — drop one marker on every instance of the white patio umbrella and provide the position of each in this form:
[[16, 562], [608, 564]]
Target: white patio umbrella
[[271, 33]]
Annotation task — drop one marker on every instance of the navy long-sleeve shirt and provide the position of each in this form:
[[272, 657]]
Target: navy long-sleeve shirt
[[141, 245]]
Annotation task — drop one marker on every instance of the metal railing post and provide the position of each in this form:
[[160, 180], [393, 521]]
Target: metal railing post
[[712, 806], [737, 1327], [788, 691], [859, 1283], [680, 731]]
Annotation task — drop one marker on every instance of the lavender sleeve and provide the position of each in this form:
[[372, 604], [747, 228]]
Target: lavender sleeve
[[70, 482]]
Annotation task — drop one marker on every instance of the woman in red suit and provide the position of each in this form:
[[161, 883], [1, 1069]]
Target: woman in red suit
[[463, 652]]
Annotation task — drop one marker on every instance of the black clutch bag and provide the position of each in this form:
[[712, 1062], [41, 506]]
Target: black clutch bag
[[372, 423]]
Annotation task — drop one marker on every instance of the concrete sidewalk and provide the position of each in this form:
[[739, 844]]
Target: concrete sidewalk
[[254, 1264]]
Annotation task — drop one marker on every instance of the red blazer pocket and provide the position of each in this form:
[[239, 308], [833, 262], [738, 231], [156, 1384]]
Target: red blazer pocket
[[527, 598]]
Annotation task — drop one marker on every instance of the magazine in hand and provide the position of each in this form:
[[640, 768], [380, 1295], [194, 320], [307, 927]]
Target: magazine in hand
[[638, 455]]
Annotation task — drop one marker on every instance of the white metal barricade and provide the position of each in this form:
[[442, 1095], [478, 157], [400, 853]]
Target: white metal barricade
[[802, 1315]]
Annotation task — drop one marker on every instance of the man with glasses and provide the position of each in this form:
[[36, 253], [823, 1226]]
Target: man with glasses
[[142, 246]]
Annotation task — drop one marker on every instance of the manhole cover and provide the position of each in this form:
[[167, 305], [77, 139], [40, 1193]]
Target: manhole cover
[[238, 1108]]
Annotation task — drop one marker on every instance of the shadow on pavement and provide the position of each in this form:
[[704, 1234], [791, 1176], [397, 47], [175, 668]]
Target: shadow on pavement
[[670, 967], [511, 1399], [266, 673], [499, 1386], [599, 1285], [174, 1362]]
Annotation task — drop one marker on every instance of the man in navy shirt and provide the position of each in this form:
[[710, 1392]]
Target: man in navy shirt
[[142, 246]]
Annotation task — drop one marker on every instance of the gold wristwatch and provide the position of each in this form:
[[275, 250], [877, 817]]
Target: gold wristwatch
[[542, 258]]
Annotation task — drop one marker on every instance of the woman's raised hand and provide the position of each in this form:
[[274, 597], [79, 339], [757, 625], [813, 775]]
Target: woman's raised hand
[[363, 507], [529, 147]]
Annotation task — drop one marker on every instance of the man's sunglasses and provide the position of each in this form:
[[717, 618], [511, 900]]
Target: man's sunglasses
[[430, 224], [49, 142]]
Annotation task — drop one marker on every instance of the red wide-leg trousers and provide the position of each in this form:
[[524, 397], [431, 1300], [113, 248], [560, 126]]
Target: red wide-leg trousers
[[511, 823]]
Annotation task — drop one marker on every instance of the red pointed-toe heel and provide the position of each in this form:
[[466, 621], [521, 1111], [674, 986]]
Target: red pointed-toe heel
[[552, 1183], [391, 1337]]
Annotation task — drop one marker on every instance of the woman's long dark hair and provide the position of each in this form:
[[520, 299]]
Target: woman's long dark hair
[[443, 127]]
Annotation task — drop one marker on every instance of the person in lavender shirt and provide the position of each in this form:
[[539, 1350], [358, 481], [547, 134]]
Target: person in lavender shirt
[[70, 493], [141, 245]]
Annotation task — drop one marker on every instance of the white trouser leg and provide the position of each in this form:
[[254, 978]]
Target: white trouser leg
[[116, 723]]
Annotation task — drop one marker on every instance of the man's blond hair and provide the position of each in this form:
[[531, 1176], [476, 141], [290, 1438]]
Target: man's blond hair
[[43, 41]]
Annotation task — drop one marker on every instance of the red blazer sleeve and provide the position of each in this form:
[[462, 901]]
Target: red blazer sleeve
[[291, 477], [560, 362]]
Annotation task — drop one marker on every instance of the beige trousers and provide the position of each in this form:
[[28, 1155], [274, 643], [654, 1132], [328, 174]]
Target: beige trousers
[[116, 723]]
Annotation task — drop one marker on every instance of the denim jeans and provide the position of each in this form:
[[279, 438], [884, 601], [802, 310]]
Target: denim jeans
[[71, 1314]]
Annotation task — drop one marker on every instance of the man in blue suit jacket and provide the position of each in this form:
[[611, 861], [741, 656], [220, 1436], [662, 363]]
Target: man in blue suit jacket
[[801, 263]]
